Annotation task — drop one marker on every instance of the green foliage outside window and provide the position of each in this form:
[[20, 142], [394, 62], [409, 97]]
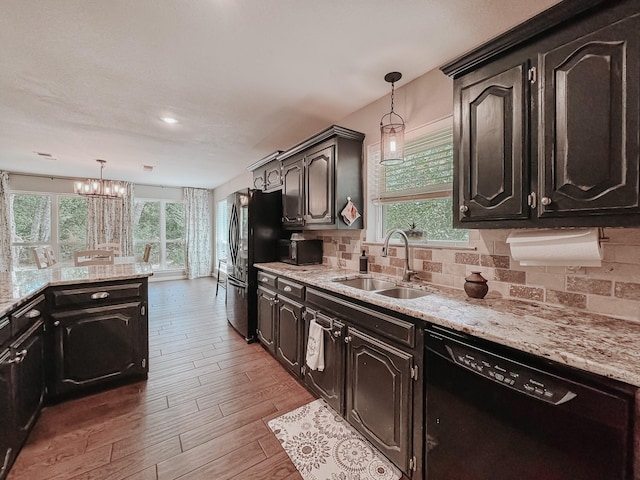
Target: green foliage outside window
[[31, 218], [424, 220]]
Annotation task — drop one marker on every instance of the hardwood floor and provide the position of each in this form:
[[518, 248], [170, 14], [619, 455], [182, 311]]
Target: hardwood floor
[[201, 415]]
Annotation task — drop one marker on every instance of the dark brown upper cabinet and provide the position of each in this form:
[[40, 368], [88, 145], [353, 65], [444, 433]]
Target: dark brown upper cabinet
[[267, 174], [318, 176], [546, 121]]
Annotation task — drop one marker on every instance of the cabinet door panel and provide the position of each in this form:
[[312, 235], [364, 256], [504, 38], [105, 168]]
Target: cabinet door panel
[[8, 430], [289, 334], [319, 183], [266, 318], [28, 377], [590, 144], [492, 158], [379, 393], [292, 194], [329, 383], [96, 344]]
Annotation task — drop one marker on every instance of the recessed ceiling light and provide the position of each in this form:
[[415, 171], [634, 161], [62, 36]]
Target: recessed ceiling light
[[169, 120]]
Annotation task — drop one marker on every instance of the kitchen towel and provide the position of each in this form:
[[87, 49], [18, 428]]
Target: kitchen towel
[[350, 213], [315, 347]]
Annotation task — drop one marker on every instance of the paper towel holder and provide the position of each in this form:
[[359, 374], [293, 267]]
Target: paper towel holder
[[557, 247], [602, 238]]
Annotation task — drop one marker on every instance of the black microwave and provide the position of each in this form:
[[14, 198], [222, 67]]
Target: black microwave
[[300, 252]]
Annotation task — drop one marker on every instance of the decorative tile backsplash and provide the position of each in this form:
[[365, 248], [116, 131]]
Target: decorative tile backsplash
[[612, 289]]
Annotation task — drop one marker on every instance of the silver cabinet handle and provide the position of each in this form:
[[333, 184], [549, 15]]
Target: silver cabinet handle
[[99, 295], [336, 333], [32, 313], [287, 288], [545, 201], [20, 356], [56, 323], [264, 279], [347, 339], [464, 209]]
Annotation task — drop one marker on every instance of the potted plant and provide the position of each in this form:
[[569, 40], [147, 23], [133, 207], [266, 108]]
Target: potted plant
[[413, 233]]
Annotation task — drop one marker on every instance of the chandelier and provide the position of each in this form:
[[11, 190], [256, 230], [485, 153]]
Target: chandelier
[[392, 130], [100, 188]]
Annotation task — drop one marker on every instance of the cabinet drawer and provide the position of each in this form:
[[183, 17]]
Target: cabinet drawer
[[5, 330], [27, 315], [266, 279], [382, 324], [96, 294], [290, 289]]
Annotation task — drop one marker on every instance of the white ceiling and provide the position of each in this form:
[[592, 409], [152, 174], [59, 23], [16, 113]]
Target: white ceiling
[[87, 79]]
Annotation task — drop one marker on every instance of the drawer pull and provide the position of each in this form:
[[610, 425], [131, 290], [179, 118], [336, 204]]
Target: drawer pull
[[56, 323], [347, 339], [287, 288], [32, 313], [264, 279], [99, 295]]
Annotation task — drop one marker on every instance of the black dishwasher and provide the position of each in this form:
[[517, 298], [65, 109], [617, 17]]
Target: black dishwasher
[[493, 413]]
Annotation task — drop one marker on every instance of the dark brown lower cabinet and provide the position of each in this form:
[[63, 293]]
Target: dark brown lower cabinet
[[379, 394], [22, 390], [289, 334], [92, 346], [328, 383], [266, 318], [28, 378], [8, 446]]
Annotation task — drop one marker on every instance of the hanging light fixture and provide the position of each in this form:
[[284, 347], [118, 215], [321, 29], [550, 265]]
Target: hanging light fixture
[[100, 188], [392, 130]]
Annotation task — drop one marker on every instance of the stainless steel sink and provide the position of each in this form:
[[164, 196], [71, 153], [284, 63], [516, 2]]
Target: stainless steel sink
[[402, 293], [366, 283]]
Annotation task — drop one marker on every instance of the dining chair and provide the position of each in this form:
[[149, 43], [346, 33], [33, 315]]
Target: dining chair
[[42, 260], [147, 253], [84, 258], [50, 254], [113, 246]]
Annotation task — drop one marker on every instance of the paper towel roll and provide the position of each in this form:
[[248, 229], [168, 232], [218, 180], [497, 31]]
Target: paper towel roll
[[579, 247]]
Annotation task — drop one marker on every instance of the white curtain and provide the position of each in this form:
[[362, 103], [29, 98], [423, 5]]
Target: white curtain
[[111, 221], [198, 234], [6, 256]]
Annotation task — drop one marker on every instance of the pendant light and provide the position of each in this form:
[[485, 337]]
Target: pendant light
[[99, 188], [392, 130]]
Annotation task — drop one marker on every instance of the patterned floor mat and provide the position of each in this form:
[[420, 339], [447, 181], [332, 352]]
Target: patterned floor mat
[[323, 446]]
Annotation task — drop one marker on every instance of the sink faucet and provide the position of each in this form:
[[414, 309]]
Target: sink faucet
[[406, 271]]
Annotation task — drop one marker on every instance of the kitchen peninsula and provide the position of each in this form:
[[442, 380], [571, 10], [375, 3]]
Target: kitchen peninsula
[[65, 331]]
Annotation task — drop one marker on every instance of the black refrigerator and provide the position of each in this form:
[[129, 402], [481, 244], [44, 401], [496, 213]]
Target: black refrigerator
[[255, 223]]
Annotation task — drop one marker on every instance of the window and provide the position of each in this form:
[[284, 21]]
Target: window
[[221, 231], [47, 219], [415, 196], [160, 223]]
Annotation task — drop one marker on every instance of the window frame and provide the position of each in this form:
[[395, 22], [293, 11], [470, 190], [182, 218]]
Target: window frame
[[54, 237], [162, 241], [375, 213]]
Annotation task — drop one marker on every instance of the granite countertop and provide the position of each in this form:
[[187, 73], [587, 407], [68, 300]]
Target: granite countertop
[[18, 287], [595, 343]]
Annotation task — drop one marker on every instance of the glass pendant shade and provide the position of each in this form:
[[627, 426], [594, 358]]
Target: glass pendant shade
[[392, 143], [99, 188], [392, 130]]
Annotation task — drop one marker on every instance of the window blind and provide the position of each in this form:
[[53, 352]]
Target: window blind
[[426, 172]]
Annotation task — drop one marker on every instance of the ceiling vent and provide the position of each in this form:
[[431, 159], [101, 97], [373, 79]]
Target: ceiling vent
[[46, 156], [147, 168]]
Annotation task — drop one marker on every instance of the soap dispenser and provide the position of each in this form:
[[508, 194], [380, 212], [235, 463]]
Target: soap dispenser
[[364, 262]]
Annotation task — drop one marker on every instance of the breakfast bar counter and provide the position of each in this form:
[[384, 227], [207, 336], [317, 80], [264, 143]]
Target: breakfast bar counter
[[18, 287]]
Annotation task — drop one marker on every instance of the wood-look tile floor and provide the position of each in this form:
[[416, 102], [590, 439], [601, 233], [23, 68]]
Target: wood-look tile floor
[[201, 414]]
